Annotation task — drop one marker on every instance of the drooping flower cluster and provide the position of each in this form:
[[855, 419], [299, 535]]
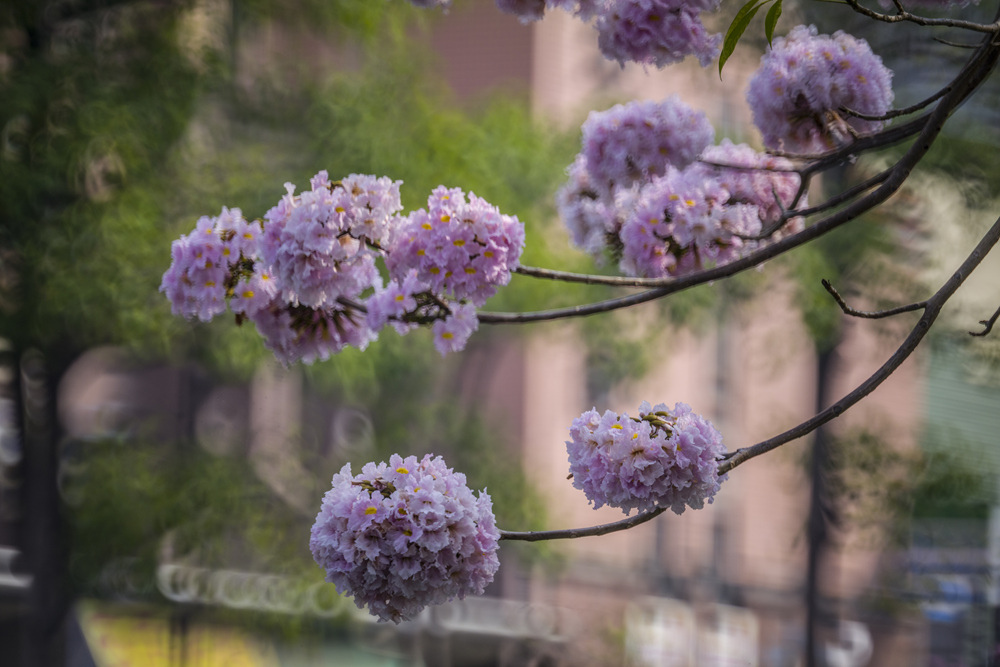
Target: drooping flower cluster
[[304, 276], [403, 535], [639, 190], [460, 250], [317, 242], [657, 32], [662, 458], [767, 182], [198, 278], [806, 81], [684, 222], [636, 141]]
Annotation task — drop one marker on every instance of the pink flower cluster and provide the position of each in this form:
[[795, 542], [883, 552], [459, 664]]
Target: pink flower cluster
[[636, 141], [197, 282], [639, 190], [303, 277], [683, 222], [317, 242], [657, 32], [403, 535], [460, 249], [806, 81], [662, 458]]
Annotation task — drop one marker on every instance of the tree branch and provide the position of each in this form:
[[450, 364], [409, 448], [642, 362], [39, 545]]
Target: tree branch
[[870, 314], [987, 324], [931, 310], [905, 111], [593, 531], [903, 15]]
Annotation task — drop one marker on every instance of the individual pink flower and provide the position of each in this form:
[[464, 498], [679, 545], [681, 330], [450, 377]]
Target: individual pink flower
[[452, 333]]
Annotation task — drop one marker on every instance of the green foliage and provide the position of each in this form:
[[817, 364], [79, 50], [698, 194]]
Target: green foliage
[[885, 489], [740, 23], [131, 496], [82, 126]]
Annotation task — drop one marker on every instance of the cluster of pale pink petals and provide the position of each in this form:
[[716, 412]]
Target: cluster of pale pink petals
[[634, 142], [308, 278], [400, 536], [657, 32], [682, 223], [662, 458], [459, 249], [196, 282], [807, 85], [650, 189]]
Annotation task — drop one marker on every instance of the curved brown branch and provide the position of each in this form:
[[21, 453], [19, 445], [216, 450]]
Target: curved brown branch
[[870, 314], [905, 111], [931, 311], [987, 324], [593, 531]]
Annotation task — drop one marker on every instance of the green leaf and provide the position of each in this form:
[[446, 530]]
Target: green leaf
[[737, 28], [771, 20]]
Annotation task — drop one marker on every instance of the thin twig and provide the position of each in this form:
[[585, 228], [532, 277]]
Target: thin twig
[[987, 324], [957, 45], [593, 531], [743, 167], [903, 15], [905, 111], [920, 329], [870, 314]]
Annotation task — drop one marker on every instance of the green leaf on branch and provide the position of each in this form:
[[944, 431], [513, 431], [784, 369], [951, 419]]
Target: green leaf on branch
[[771, 21], [737, 28]]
